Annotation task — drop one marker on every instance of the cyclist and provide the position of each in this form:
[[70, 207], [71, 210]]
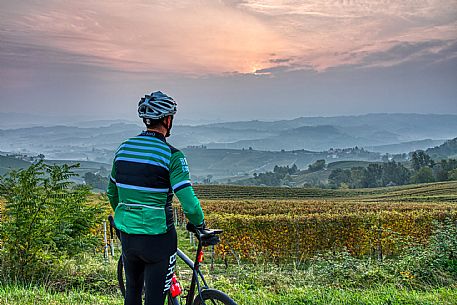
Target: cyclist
[[146, 172]]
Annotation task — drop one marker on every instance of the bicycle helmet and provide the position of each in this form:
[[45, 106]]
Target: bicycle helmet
[[155, 106]]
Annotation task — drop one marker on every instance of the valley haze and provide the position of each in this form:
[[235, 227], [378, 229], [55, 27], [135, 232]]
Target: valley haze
[[226, 150]]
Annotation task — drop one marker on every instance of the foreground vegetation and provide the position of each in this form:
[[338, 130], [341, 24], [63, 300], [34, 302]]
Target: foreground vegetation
[[313, 249], [298, 296], [328, 279]]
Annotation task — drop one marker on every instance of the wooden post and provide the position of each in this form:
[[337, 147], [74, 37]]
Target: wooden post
[[191, 236], [105, 239], [212, 258], [112, 247], [379, 246]]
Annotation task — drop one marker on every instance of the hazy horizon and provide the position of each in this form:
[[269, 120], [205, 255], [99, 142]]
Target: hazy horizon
[[33, 119]]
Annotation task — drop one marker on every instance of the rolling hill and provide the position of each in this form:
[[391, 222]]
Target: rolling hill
[[9, 163], [446, 150]]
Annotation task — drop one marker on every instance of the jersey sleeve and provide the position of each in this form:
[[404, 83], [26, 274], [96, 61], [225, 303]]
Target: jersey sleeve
[[112, 192], [182, 187], [179, 172]]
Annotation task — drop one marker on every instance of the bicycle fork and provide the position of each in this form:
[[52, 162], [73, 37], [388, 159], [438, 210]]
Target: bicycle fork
[[176, 288]]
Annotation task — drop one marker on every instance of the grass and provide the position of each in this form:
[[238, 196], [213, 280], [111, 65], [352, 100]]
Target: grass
[[379, 296], [32, 295], [245, 295]]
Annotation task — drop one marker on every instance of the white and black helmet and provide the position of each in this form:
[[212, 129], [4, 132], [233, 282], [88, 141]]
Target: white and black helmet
[[156, 106]]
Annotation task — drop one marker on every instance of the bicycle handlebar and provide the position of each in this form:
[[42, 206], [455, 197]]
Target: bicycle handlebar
[[202, 232], [207, 237]]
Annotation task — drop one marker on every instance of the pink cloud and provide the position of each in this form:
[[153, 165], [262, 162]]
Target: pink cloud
[[204, 37], [188, 37]]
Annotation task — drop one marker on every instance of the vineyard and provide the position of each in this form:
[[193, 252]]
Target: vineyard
[[249, 192], [295, 224]]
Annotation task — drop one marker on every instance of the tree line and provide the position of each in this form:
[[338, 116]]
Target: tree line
[[420, 169], [423, 169]]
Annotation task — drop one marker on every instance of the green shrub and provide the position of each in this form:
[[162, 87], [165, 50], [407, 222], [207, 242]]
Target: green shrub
[[45, 220], [453, 174], [442, 249], [423, 175]]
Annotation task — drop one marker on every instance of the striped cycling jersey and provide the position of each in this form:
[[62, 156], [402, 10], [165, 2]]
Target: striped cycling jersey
[[146, 172]]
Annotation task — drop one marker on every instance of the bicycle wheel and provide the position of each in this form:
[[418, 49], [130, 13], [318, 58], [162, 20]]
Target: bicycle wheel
[[120, 275], [213, 297]]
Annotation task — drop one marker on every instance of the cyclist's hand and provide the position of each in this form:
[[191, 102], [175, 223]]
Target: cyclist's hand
[[201, 227], [208, 237], [193, 228]]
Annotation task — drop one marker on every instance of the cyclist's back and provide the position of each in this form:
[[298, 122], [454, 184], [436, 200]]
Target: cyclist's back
[[146, 172]]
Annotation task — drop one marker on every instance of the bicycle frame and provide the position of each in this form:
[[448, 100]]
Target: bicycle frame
[[195, 266]]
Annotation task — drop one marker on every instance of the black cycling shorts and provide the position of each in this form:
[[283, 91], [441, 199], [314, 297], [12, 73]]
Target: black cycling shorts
[[149, 260]]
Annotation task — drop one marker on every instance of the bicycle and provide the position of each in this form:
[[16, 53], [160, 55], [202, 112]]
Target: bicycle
[[201, 292]]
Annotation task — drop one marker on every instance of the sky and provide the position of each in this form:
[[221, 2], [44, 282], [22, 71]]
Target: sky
[[229, 59]]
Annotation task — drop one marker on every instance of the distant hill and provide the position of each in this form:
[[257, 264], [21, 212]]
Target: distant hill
[[9, 163], [316, 138], [371, 130], [446, 150], [306, 177], [225, 164], [314, 178], [405, 147], [97, 140], [348, 164], [301, 140], [408, 126]]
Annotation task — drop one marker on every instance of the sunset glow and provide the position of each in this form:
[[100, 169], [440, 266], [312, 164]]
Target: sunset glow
[[222, 36], [143, 40]]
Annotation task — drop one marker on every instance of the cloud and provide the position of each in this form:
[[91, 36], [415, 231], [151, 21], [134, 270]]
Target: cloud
[[280, 60], [208, 37], [320, 33], [140, 36], [401, 52]]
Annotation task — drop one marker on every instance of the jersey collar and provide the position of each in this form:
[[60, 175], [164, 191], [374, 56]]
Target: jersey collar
[[152, 134]]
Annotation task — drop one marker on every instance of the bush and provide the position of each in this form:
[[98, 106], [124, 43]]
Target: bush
[[443, 247], [453, 174], [423, 175], [45, 220]]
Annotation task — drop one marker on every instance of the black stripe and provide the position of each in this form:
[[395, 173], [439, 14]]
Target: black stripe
[[182, 187], [141, 174], [161, 106], [173, 149], [169, 212]]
